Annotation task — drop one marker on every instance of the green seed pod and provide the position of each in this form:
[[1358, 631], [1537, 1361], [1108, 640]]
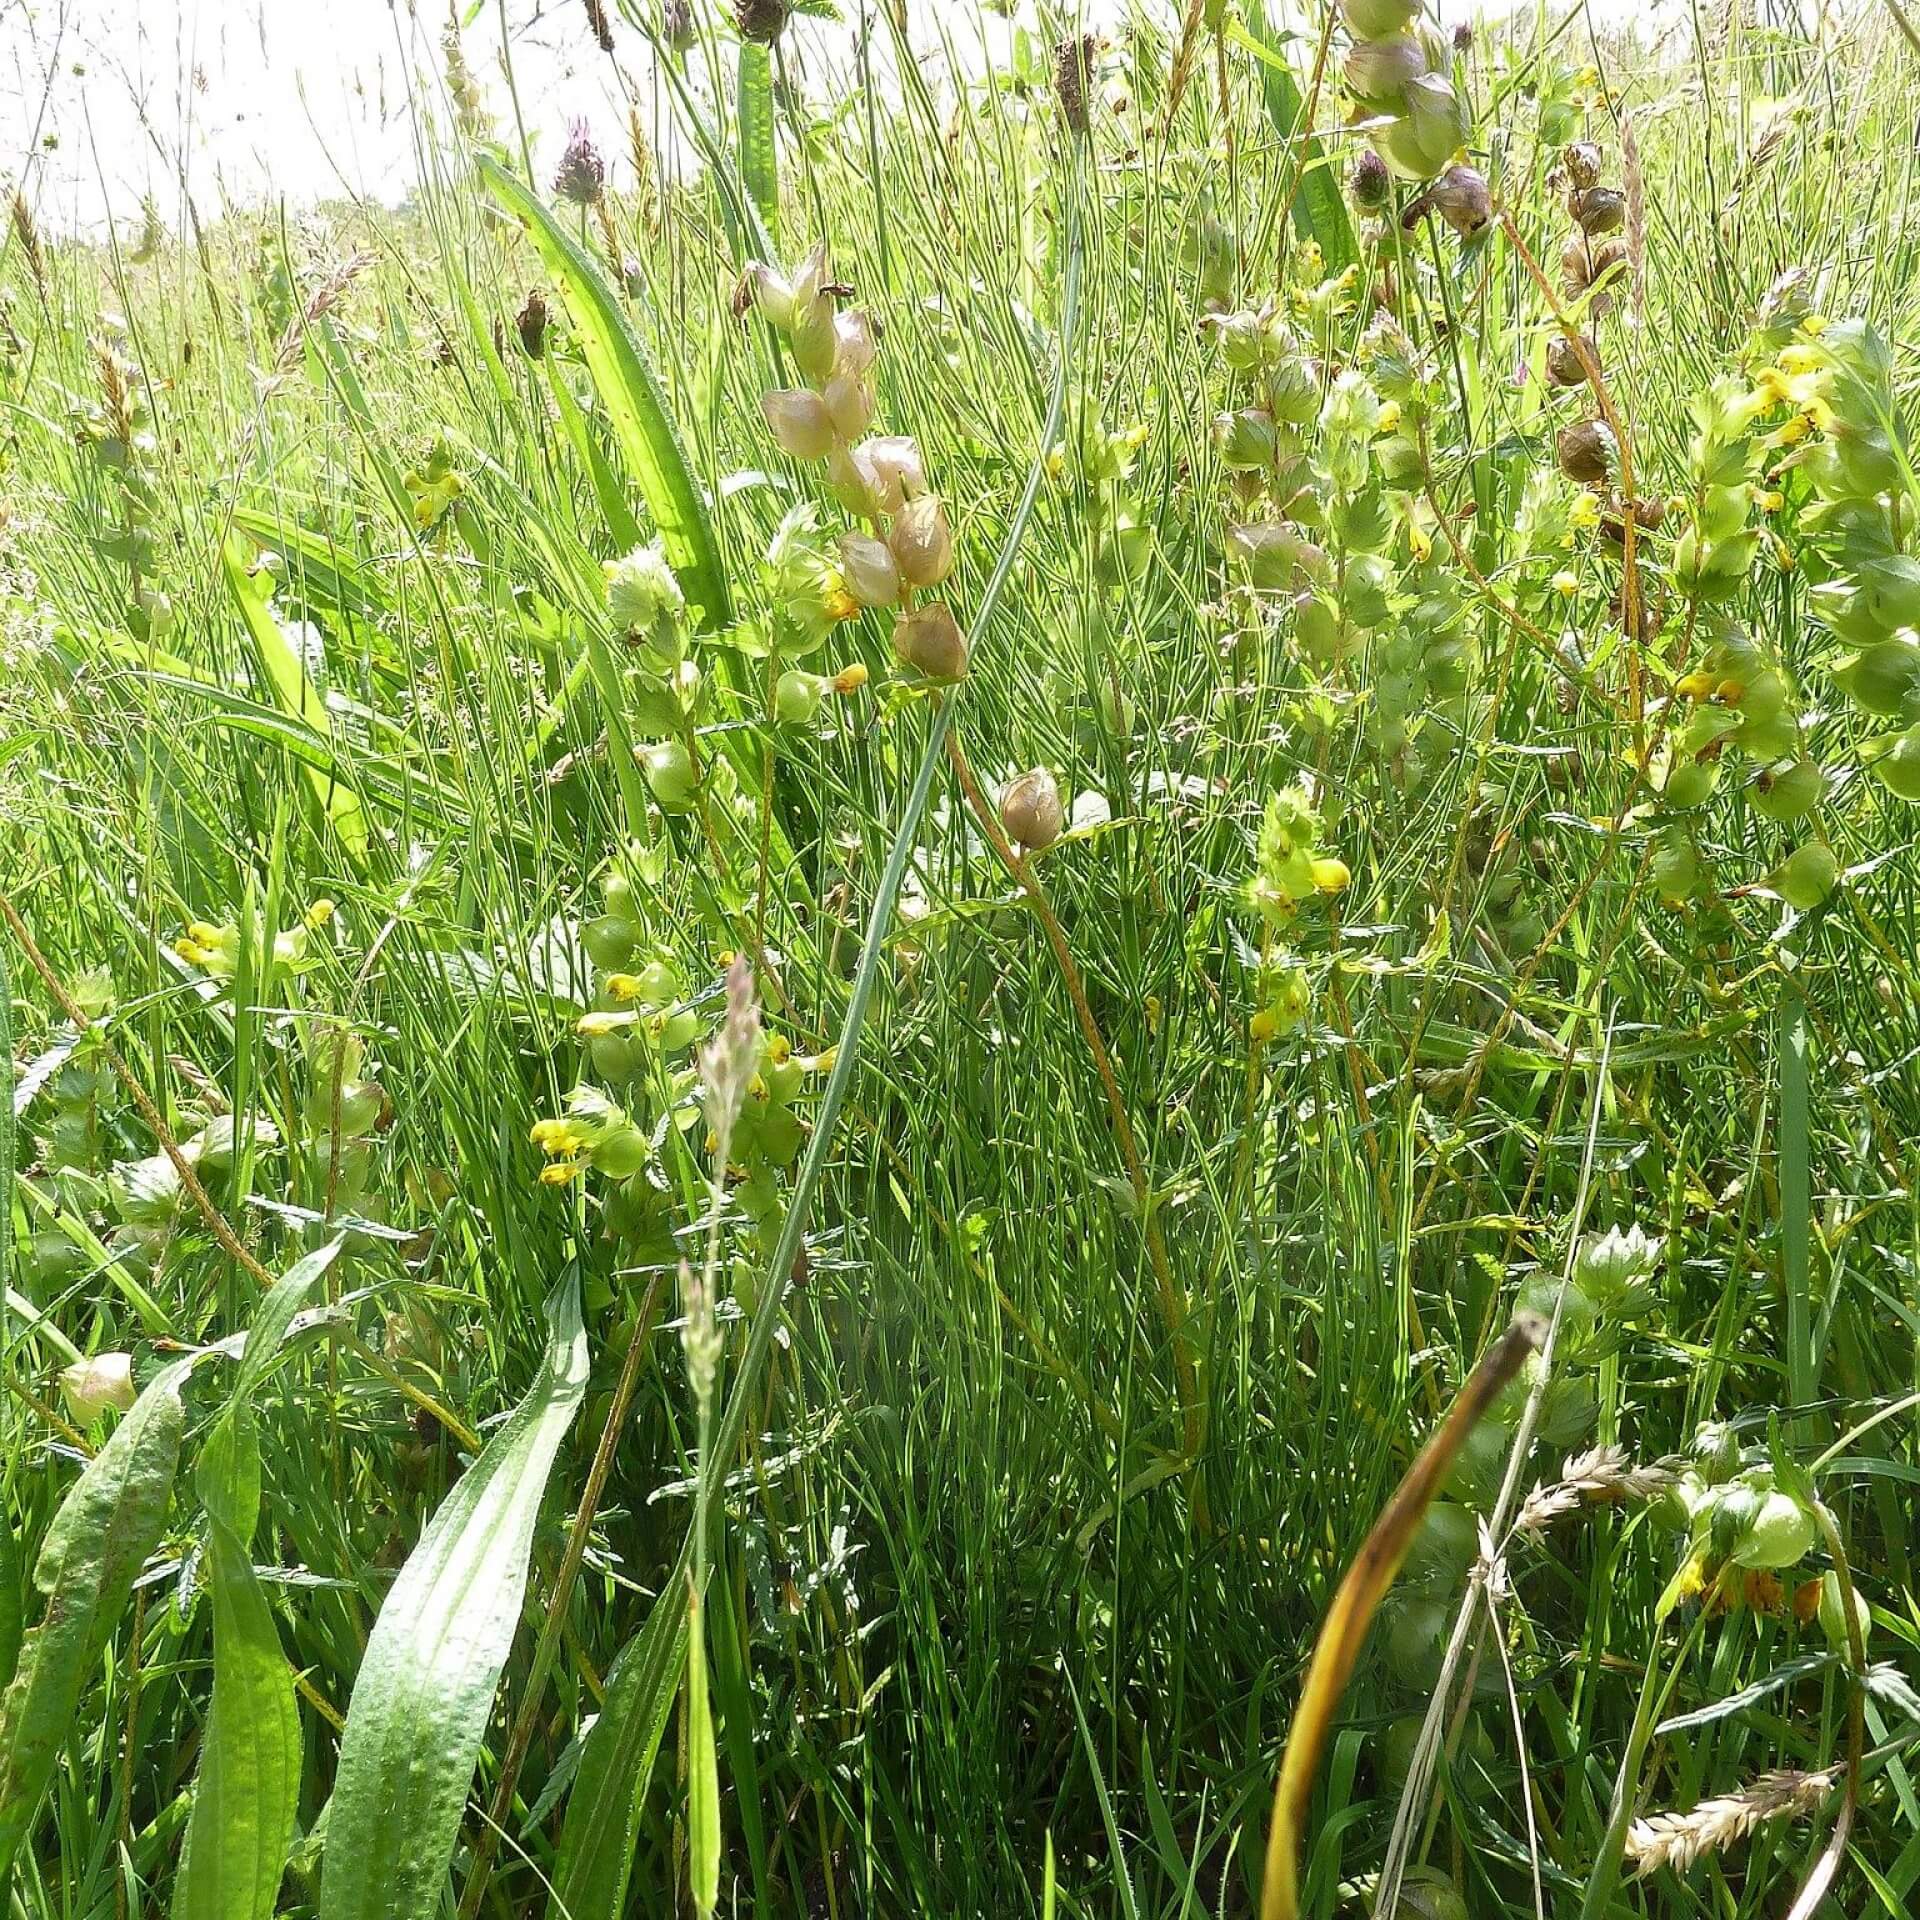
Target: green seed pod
[[614, 1056], [1895, 760], [1807, 876], [1375, 19], [1779, 1532], [616, 890], [1377, 72], [53, 1259], [1690, 784], [669, 770], [363, 1106], [1884, 678], [1789, 789], [620, 1152], [797, 696], [1416, 1643], [1833, 1614], [1676, 868], [610, 940]]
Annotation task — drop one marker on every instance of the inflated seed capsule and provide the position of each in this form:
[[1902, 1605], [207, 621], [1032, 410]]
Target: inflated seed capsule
[[669, 771], [1896, 762], [1586, 452], [1599, 210], [1581, 163], [1806, 876], [1790, 790], [1372, 19], [797, 696], [1031, 812], [1379, 72], [1460, 197], [1565, 368], [1370, 184], [610, 940], [929, 640]]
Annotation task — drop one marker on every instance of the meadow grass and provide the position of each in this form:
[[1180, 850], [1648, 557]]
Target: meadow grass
[[1107, 1225]]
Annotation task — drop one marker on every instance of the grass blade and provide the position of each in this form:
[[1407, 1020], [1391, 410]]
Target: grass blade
[[648, 440], [98, 1542], [703, 1771], [426, 1683], [1319, 213], [286, 674]]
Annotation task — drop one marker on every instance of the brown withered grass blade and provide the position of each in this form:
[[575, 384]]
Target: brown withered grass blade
[[1344, 1631]]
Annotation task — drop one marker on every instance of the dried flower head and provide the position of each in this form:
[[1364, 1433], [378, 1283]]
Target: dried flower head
[[1073, 79], [581, 176], [763, 20], [1370, 184], [531, 321]]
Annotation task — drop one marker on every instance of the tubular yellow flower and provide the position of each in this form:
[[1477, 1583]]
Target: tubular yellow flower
[[319, 913], [593, 1026], [561, 1172]]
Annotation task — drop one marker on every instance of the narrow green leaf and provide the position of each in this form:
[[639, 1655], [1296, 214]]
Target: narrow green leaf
[[759, 158], [315, 564], [1319, 212], [286, 674], [703, 1771], [643, 427], [98, 1542], [427, 1680], [1796, 1201], [248, 1791]]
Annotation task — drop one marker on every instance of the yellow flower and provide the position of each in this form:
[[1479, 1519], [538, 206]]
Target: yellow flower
[[1814, 325], [1770, 501], [558, 1138], [1389, 417], [1566, 584], [623, 986], [1263, 1026], [189, 951], [319, 913], [1419, 541], [562, 1171], [1330, 875], [592, 1026], [1801, 357], [1134, 438], [851, 679], [779, 1049], [1584, 512]]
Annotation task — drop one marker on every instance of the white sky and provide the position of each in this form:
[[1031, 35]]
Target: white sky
[[308, 98]]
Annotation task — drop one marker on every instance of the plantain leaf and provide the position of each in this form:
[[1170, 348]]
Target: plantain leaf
[[603, 1810], [248, 1792], [426, 1683], [703, 1771], [1319, 213], [648, 440], [98, 1542], [286, 674], [759, 158]]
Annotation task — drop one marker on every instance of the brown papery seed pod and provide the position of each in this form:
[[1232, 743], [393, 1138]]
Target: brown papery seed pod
[[1565, 368], [1599, 209], [929, 640], [1581, 165], [531, 321], [1460, 197], [1586, 452], [1031, 812]]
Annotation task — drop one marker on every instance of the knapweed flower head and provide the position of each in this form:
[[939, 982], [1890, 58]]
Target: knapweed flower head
[[581, 176]]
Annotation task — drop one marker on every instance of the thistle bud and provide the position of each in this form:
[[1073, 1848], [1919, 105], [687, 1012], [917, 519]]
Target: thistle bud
[[91, 1386], [929, 640], [872, 576], [922, 542], [849, 405], [1378, 72], [1370, 184], [1031, 812], [1598, 210], [1565, 368], [1581, 164], [582, 174], [800, 422], [1586, 452], [531, 321]]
